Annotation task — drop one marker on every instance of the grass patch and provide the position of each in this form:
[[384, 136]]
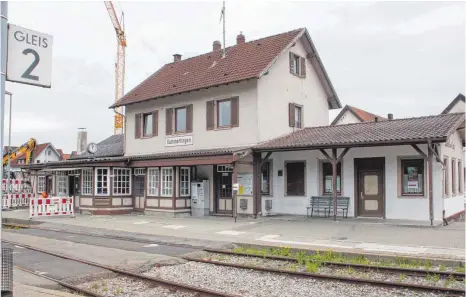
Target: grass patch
[[442, 268], [460, 269], [451, 280], [402, 277], [312, 267]]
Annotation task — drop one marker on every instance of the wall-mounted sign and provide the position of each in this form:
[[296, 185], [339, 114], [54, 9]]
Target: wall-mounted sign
[[178, 141], [29, 57], [245, 184]]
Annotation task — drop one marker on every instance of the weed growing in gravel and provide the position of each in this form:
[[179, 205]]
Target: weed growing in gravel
[[118, 291], [282, 251], [221, 258], [95, 286], [293, 268], [449, 281], [435, 278], [428, 264], [402, 277], [301, 257], [350, 270], [442, 268], [428, 277], [360, 260], [460, 269], [312, 267]]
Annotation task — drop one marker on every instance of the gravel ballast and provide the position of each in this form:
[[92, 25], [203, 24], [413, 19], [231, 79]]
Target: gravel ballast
[[249, 283]]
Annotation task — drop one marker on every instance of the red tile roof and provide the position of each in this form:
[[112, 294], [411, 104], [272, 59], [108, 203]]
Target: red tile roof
[[362, 115], [66, 156], [399, 131], [242, 61]]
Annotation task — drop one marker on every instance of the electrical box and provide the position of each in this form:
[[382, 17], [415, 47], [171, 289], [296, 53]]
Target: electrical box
[[200, 198]]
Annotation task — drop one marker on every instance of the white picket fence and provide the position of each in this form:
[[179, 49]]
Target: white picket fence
[[50, 207]]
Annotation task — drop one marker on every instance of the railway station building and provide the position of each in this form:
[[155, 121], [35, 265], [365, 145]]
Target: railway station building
[[246, 132]]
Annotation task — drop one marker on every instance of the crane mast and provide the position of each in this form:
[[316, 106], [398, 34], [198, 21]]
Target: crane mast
[[119, 65]]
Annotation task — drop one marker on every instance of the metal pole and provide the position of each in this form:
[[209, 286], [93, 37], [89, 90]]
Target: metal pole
[[3, 51], [9, 143], [334, 182]]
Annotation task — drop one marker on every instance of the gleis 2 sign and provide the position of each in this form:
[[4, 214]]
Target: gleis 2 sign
[[29, 58]]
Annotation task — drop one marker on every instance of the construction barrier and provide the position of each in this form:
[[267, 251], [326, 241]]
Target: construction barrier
[[16, 186], [50, 207], [16, 200]]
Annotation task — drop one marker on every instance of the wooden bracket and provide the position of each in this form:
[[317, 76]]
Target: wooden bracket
[[419, 150], [326, 155], [266, 158], [343, 154]]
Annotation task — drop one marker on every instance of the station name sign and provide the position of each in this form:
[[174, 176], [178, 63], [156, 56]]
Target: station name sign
[[179, 141]]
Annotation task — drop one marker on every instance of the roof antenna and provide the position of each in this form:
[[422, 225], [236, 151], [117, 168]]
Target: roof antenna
[[222, 17]]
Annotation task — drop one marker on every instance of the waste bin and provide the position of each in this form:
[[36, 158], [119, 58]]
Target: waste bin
[[7, 272]]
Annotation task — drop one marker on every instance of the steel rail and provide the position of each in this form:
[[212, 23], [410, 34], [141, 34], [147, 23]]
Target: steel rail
[[64, 284], [399, 285], [161, 282], [363, 267]]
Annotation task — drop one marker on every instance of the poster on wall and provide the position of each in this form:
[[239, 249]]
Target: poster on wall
[[245, 184], [413, 178]]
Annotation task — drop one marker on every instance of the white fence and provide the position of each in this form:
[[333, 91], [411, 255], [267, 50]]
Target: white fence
[[16, 200], [50, 207]]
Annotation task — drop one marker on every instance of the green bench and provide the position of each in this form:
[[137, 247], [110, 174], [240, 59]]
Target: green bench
[[325, 203]]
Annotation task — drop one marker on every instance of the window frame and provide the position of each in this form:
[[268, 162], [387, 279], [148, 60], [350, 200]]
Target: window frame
[[286, 178], [269, 164], [39, 178], [460, 177], [156, 181], [185, 107], [84, 183], [166, 182], [218, 102], [116, 172], [322, 180], [188, 182], [402, 167], [62, 179], [446, 181], [143, 132], [299, 108], [454, 170], [296, 64], [107, 181]]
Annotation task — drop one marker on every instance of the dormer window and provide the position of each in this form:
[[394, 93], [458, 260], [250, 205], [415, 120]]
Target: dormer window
[[297, 65]]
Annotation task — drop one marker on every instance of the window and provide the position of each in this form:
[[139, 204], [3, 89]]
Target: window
[[453, 177], [297, 65], [147, 124], [266, 178], [295, 177], [180, 119], [297, 117], [167, 181], [49, 153], [328, 178], [224, 168], [41, 184], [413, 177], [121, 181], [101, 181], [460, 177], [62, 184], [38, 161], [87, 182], [185, 180], [224, 113], [153, 181], [139, 171], [445, 177]]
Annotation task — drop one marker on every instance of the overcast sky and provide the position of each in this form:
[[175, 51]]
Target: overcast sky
[[406, 58]]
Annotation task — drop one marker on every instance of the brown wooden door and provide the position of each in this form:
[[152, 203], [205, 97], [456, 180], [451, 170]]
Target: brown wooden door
[[371, 197]]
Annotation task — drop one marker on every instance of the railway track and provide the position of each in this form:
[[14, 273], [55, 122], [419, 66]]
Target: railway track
[[360, 267], [174, 286], [353, 280]]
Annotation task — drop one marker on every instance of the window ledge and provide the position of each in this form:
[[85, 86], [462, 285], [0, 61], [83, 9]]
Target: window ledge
[[412, 196], [224, 128]]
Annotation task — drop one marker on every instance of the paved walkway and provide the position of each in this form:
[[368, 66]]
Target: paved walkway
[[31, 291], [350, 235]]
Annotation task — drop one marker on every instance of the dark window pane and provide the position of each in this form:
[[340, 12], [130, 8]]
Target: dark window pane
[[295, 179]]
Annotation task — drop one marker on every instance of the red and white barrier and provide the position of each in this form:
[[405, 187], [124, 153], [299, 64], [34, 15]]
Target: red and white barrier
[[16, 200], [15, 186], [50, 207]]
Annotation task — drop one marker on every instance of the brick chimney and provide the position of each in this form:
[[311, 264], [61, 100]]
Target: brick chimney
[[216, 46], [176, 57], [240, 38]]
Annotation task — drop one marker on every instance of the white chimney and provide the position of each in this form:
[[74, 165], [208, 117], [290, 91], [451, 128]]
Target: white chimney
[[82, 140]]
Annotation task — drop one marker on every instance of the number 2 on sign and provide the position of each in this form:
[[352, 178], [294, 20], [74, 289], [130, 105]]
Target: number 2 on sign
[[27, 73]]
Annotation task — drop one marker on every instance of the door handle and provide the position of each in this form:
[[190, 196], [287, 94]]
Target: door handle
[[362, 196]]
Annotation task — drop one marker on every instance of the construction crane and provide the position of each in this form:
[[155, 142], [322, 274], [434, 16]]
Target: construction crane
[[119, 64], [27, 148]]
